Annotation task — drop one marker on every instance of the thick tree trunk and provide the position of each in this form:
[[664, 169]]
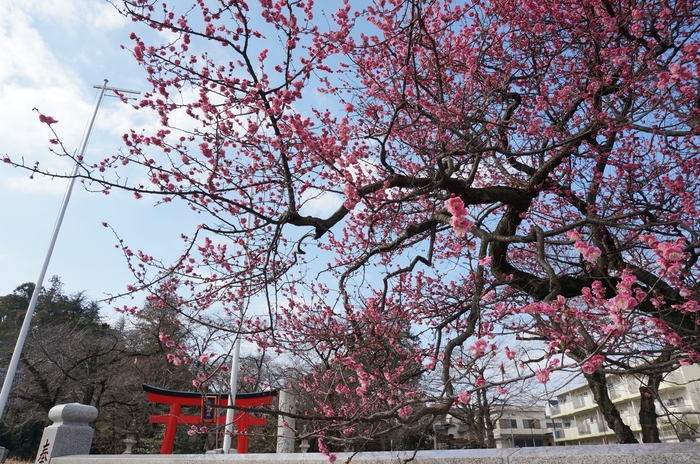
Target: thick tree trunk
[[472, 419], [623, 433], [488, 423], [647, 409]]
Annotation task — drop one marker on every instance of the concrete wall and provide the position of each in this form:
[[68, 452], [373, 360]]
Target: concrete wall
[[664, 453]]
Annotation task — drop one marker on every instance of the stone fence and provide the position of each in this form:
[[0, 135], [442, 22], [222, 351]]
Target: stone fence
[[663, 453], [68, 440]]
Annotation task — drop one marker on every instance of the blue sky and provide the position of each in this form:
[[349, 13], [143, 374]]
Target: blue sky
[[52, 53]]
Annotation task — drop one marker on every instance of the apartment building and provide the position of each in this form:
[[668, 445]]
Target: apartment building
[[512, 428], [575, 418]]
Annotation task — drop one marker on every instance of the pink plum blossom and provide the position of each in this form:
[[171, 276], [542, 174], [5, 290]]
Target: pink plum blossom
[[671, 251], [589, 252], [542, 375], [479, 348], [673, 338], [459, 221], [691, 306], [593, 364], [464, 398], [574, 235], [47, 119]]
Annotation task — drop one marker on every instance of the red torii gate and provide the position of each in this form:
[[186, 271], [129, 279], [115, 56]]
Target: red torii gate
[[178, 399]]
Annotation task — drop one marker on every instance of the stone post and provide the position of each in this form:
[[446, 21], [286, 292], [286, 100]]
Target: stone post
[[69, 434], [129, 443], [285, 424]]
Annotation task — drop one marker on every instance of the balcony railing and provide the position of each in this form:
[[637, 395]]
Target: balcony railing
[[589, 428]]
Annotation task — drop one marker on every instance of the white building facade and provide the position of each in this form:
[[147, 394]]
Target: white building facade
[[575, 418], [512, 428], [518, 428]]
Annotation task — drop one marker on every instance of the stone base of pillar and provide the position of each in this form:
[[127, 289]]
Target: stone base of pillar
[[69, 434]]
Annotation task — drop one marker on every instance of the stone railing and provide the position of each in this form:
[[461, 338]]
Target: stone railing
[[68, 440], [663, 453]]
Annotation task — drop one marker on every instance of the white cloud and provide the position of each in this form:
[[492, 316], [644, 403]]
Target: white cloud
[[95, 13], [31, 76], [24, 185], [52, 52], [22, 50], [40, 72], [320, 204]]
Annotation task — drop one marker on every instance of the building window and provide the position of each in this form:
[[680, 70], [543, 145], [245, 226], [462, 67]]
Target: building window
[[528, 443], [508, 424], [580, 400], [673, 402], [531, 423]]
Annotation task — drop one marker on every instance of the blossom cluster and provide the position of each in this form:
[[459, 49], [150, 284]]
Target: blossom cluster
[[589, 252], [459, 222]]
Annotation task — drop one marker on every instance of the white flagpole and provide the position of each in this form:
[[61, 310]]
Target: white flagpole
[[233, 381], [24, 331]]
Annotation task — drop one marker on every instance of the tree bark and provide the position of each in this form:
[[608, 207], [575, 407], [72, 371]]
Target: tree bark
[[623, 433], [647, 409], [488, 423]]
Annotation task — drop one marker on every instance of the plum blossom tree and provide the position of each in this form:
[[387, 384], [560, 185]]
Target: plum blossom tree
[[439, 168]]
